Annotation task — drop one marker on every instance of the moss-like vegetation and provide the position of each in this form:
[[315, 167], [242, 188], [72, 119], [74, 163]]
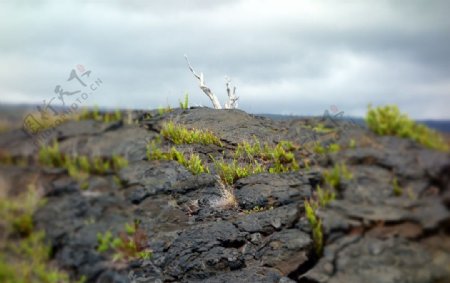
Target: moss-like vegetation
[[7, 159], [130, 244], [52, 156], [248, 158], [280, 158], [24, 257], [257, 209], [179, 134], [331, 148], [321, 129], [96, 115], [80, 167], [388, 120]]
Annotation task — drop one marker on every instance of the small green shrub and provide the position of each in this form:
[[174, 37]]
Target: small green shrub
[[181, 135], [130, 244], [388, 120], [193, 163], [283, 158], [249, 151], [230, 172]]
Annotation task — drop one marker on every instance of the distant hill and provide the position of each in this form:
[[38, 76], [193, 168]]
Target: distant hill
[[439, 125]]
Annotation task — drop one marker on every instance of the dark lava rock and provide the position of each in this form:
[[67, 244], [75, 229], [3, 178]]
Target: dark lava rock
[[371, 233]]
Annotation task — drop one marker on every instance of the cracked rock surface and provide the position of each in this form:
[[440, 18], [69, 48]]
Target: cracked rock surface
[[370, 233]]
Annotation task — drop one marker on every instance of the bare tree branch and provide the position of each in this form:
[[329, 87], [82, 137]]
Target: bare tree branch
[[232, 98], [203, 87]]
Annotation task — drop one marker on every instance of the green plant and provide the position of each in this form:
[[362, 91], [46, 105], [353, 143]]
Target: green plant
[[396, 189], [80, 167], [118, 162], [105, 241], [283, 158], [17, 213], [388, 120], [331, 148], [154, 151], [230, 172], [6, 158], [51, 156], [24, 257], [130, 244], [185, 105], [320, 128], [181, 135], [95, 114], [193, 163], [316, 225], [324, 197], [147, 116], [164, 110], [257, 209], [334, 177], [352, 144], [249, 151]]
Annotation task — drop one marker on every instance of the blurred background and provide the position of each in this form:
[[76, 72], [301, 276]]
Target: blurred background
[[285, 57]]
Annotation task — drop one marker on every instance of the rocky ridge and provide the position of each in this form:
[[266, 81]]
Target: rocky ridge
[[371, 233]]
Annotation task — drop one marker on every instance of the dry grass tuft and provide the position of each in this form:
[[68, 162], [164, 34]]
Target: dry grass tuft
[[227, 199]]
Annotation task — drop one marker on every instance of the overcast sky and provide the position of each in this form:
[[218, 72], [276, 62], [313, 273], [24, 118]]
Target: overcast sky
[[286, 57]]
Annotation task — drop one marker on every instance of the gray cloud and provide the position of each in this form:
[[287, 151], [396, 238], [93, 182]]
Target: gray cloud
[[295, 57]]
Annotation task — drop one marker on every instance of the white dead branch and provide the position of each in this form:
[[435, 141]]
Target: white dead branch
[[232, 98]]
